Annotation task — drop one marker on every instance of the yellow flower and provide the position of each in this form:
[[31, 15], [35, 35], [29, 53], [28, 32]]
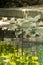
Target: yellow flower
[[18, 59], [27, 58], [35, 63], [34, 58], [8, 60], [13, 63], [10, 54], [2, 55]]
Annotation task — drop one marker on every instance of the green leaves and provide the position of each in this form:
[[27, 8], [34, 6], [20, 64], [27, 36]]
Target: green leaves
[[40, 54], [9, 55], [28, 25]]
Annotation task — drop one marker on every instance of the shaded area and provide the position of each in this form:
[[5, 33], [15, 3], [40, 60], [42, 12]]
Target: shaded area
[[17, 3]]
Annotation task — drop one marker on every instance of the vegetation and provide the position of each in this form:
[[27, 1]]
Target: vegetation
[[28, 25], [8, 56]]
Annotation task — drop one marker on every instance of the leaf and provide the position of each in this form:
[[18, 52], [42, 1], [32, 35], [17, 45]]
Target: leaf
[[36, 18]]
